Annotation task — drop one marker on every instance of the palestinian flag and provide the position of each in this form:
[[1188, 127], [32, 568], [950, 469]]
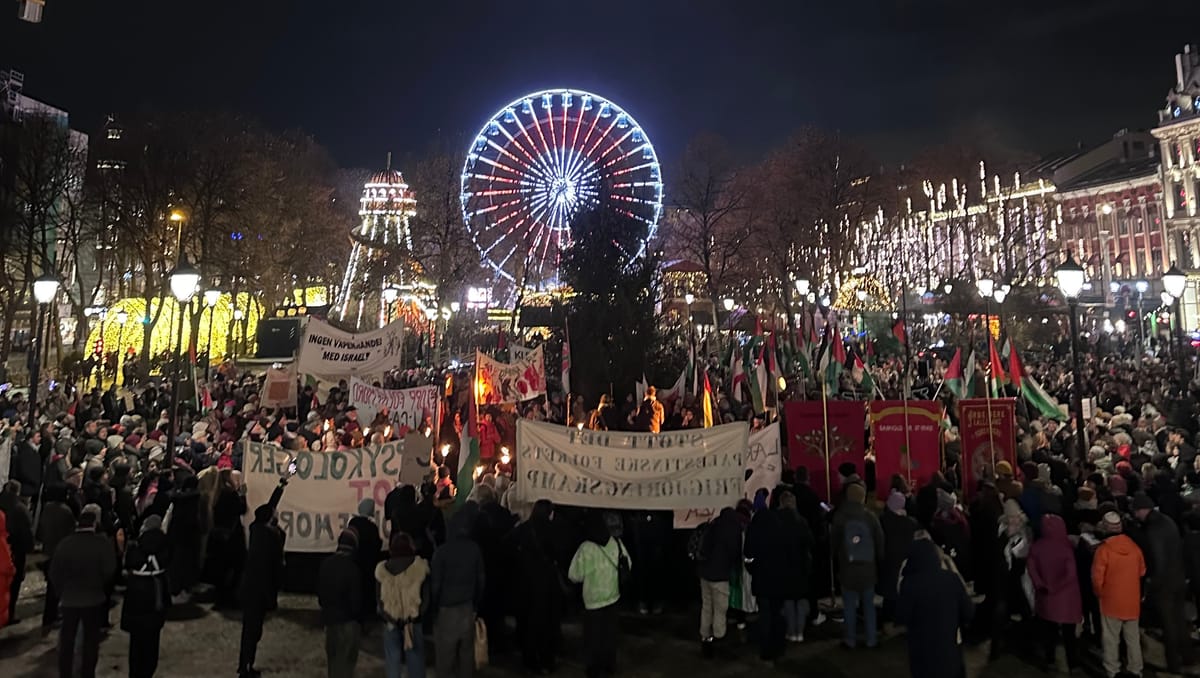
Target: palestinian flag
[[862, 376], [833, 360], [468, 459], [737, 375], [996, 369], [1034, 394], [953, 380], [708, 402], [898, 331]]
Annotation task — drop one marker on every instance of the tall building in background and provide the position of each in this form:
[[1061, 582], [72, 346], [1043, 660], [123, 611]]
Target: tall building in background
[[1178, 134]]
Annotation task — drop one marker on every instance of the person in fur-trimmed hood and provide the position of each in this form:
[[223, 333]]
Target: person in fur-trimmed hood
[[405, 598]]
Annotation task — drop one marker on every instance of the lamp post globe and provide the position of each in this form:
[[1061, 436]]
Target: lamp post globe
[[184, 280], [729, 303], [802, 285], [985, 286], [44, 288], [1174, 282], [1070, 277], [211, 297]]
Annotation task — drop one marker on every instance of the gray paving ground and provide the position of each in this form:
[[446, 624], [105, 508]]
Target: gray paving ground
[[199, 642]]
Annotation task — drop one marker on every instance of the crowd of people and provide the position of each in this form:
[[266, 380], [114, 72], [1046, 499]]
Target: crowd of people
[[1073, 544]]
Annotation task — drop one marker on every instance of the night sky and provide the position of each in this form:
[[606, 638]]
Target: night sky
[[368, 77]]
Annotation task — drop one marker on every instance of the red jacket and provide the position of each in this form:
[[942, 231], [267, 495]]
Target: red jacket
[[1051, 567], [1117, 572]]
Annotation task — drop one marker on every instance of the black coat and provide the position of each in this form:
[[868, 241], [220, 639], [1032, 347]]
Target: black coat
[[367, 556], [339, 589], [722, 549], [934, 606], [779, 551], [20, 524], [27, 468], [1163, 548], [264, 557], [898, 534], [146, 594]]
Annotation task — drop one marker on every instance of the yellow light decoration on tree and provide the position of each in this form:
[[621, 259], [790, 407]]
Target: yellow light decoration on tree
[[878, 300], [165, 334]]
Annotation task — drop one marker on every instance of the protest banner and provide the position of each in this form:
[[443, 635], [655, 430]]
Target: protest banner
[[906, 443], [692, 468], [764, 466], [987, 430], [497, 382], [279, 389], [323, 496], [407, 408], [326, 350], [806, 440]]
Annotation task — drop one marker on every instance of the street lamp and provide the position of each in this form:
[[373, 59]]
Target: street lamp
[[238, 316], [44, 290], [1070, 279], [122, 318], [1174, 282], [389, 294], [1142, 286], [1000, 293], [184, 280], [729, 303], [802, 286], [211, 297]]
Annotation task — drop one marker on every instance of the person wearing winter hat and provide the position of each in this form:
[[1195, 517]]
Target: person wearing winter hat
[[339, 593], [1117, 571], [898, 530], [405, 600], [1166, 578], [1006, 484], [368, 553], [859, 543]]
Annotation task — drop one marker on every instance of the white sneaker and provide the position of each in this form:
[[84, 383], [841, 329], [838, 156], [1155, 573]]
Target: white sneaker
[[820, 619]]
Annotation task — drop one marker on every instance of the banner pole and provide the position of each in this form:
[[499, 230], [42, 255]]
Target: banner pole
[[828, 491]]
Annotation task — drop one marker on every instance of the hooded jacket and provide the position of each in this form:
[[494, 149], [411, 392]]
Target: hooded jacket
[[405, 590], [856, 576], [1052, 569], [458, 572], [146, 594], [1117, 571], [933, 604], [722, 547]]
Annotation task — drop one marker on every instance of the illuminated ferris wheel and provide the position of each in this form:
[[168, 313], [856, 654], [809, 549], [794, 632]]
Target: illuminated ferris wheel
[[543, 159]]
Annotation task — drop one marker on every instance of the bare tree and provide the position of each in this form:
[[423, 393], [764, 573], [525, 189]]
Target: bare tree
[[710, 224]]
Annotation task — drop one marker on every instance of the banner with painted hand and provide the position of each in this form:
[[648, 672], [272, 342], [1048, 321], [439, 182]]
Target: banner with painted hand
[[406, 408], [326, 350], [324, 494], [693, 468], [764, 468], [497, 382]]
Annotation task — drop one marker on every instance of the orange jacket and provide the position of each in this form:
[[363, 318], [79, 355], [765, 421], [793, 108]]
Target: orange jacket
[[1116, 576]]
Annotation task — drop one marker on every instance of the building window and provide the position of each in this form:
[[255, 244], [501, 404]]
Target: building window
[[1122, 226], [114, 133]]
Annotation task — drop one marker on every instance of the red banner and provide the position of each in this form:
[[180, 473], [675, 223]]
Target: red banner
[[806, 424], [906, 442], [987, 429]]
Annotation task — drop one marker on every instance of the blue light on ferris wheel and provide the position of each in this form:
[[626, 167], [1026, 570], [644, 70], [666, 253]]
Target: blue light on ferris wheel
[[647, 153], [637, 135], [655, 172], [510, 116], [493, 128], [566, 99], [622, 121], [586, 102], [527, 106], [605, 109], [471, 158], [480, 144], [547, 100]]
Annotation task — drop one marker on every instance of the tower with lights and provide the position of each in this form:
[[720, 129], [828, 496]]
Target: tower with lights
[[381, 262]]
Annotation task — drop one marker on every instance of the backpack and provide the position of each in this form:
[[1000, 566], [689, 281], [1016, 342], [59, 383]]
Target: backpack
[[859, 541], [698, 543]]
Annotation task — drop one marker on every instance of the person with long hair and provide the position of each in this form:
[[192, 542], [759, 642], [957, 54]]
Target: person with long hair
[[227, 537], [541, 589]]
